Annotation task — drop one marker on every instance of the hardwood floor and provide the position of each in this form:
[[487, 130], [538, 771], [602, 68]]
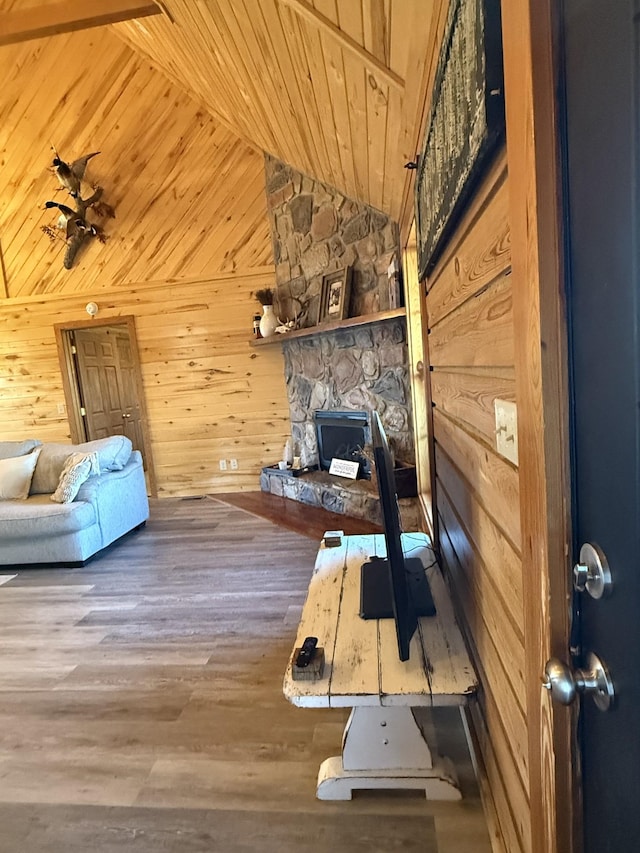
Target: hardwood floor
[[308, 520], [141, 705]]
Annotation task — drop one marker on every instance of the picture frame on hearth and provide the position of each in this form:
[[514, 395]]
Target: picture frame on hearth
[[335, 295]]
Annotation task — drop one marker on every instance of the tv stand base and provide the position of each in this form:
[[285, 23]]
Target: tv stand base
[[336, 783], [384, 748]]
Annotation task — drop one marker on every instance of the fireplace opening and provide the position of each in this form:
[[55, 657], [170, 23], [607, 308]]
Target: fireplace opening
[[342, 435]]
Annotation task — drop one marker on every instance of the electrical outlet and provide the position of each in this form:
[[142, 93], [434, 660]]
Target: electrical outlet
[[223, 464], [234, 464], [507, 429], [61, 408]]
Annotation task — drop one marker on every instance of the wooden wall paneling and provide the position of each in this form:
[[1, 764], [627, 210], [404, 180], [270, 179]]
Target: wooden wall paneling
[[468, 397], [494, 635], [479, 333], [420, 385], [70, 384], [209, 394], [509, 723], [499, 562], [515, 792], [493, 479], [529, 38], [504, 835], [480, 252]]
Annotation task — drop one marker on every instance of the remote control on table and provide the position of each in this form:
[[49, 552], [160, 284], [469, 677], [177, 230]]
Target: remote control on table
[[306, 652]]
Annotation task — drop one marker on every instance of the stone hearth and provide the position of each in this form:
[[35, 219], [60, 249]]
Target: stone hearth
[[357, 498]]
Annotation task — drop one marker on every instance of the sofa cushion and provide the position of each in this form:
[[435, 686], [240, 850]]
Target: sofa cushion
[[77, 469], [15, 476], [18, 448], [113, 454], [38, 518]]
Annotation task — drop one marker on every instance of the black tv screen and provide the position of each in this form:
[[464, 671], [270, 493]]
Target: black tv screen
[[395, 587]]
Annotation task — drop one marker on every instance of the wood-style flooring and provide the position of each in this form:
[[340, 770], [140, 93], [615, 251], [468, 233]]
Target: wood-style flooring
[[141, 705], [301, 518]]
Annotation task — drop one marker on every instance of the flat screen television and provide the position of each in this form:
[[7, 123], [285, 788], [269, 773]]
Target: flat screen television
[[395, 587]]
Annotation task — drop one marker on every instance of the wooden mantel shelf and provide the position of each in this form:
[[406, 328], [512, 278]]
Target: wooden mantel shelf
[[349, 323]]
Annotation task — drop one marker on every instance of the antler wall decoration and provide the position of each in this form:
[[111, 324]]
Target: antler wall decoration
[[73, 222]]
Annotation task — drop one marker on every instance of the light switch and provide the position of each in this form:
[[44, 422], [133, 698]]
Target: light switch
[[507, 429]]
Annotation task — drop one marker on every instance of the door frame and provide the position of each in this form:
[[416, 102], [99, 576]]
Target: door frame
[[71, 388], [531, 41]]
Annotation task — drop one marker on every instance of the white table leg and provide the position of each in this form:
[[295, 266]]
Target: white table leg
[[385, 748]]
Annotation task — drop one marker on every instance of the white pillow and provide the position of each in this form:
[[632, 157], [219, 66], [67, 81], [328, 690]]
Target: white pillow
[[77, 469], [15, 476]]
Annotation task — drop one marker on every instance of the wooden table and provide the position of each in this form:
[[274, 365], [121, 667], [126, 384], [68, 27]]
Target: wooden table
[[383, 746]]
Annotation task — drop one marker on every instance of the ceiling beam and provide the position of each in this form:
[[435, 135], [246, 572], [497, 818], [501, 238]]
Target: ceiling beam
[[65, 16], [327, 26]]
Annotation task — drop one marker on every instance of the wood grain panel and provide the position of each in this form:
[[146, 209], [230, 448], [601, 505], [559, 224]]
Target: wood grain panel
[[333, 90], [488, 621], [220, 399], [493, 480], [480, 333], [479, 541], [502, 794], [419, 379], [511, 720], [536, 215], [469, 398], [189, 198], [480, 250]]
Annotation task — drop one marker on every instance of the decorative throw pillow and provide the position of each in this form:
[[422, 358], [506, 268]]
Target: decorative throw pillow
[[78, 468], [15, 476]]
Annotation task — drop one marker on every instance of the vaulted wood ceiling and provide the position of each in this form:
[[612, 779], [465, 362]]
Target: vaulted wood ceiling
[[185, 102], [333, 87]]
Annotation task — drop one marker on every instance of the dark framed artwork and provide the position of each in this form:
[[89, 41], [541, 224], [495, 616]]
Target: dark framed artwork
[[465, 125], [334, 297]]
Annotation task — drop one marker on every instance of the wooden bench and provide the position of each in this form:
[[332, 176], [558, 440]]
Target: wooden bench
[[383, 746]]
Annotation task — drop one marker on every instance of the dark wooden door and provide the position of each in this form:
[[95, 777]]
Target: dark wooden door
[[100, 383], [127, 371], [108, 382], [602, 166]]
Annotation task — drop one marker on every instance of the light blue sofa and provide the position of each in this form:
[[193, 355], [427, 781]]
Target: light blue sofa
[[107, 506]]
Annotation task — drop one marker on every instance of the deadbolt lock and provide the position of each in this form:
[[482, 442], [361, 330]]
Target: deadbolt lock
[[565, 684], [591, 573]]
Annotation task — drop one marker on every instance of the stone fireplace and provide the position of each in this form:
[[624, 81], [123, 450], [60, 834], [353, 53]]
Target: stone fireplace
[[362, 367], [358, 369], [343, 435]]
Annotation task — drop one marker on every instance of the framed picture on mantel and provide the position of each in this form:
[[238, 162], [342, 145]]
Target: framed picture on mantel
[[334, 298]]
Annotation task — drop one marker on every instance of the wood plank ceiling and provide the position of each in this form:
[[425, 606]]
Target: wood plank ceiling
[[332, 87], [335, 88]]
